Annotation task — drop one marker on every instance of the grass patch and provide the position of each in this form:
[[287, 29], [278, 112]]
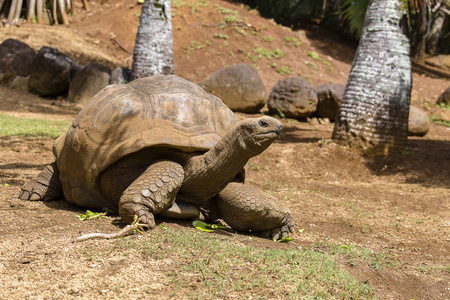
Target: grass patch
[[261, 51], [10, 125], [211, 266], [284, 70], [355, 255], [290, 41], [221, 36], [195, 45], [438, 121]]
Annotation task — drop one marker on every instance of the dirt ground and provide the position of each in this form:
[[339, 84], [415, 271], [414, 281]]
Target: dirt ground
[[397, 206]]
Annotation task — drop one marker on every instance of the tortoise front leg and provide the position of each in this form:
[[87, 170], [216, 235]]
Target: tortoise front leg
[[247, 208], [46, 186], [151, 193]]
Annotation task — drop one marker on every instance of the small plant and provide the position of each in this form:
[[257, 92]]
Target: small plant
[[193, 8], [202, 3], [221, 36], [241, 31], [292, 41], [312, 64], [314, 55], [277, 53], [226, 11], [284, 70], [443, 106], [253, 166], [438, 121], [268, 39], [195, 45], [177, 3]]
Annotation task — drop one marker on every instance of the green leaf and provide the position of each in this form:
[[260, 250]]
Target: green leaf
[[202, 226], [91, 215], [164, 226], [281, 114], [285, 240], [109, 211], [7, 184], [219, 226]]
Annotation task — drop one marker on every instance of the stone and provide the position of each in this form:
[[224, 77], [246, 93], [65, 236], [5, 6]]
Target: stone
[[87, 82], [418, 123], [120, 76], [16, 59], [239, 86], [294, 97], [330, 98], [51, 72], [444, 98]]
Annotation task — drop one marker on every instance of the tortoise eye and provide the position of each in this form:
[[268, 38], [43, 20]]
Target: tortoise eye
[[263, 123]]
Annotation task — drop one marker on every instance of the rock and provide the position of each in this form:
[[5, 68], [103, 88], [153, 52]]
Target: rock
[[294, 96], [51, 72], [16, 58], [239, 86], [444, 98], [87, 82], [330, 98], [120, 76], [418, 123]]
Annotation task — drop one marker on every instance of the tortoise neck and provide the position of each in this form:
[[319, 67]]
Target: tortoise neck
[[206, 175]]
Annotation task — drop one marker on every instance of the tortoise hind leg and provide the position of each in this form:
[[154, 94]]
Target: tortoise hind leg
[[151, 193], [246, 207], [46, 186]]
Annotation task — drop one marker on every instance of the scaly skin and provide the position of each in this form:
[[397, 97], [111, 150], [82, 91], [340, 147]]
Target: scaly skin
[[152, 192], [46, 186], [247, 208]]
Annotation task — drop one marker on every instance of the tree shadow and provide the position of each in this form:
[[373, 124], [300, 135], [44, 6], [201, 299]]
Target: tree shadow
[[313, 134], [423, 162]]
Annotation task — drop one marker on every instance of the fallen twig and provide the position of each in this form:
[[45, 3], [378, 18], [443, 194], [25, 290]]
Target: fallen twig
[[113, 39], [135, 226]]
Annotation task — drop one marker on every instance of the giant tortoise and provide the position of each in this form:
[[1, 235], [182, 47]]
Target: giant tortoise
[[163, 146]]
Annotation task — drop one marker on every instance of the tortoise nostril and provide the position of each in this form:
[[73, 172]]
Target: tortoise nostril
[[263, 123]]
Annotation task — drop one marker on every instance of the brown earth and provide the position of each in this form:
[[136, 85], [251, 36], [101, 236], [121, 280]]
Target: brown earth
[[397, 206]]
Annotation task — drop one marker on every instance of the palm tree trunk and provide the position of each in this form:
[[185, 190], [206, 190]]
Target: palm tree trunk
[[62, 11], [153, 50], [12, 12], [39, 8], [433, 36], [374, 113], [31, 8]]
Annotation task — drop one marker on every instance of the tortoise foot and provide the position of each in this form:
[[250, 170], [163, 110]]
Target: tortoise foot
[[46, 186], [151, 193], [281, 232], [247, 208]]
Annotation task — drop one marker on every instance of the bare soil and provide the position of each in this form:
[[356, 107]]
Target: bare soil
[[397, 206]]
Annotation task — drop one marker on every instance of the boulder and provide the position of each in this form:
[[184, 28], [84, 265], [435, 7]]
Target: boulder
[[51, 72], [330, 98], [87, 82], [16, 58], [444, 98], [294, 97], [418, 123], [239, 86], [120, 76]]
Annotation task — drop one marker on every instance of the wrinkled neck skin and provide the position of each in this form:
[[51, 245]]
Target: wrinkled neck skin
[[206, 175]]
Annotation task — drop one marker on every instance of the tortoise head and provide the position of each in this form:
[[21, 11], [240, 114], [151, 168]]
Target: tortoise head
[[256, 134]]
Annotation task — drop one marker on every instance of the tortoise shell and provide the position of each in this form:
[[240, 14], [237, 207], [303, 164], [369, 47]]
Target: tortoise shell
[[122, 119]]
